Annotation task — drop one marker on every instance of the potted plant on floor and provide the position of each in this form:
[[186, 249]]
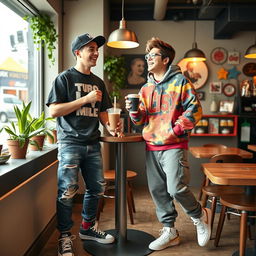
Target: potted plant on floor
[[37, 141], [20, 132]]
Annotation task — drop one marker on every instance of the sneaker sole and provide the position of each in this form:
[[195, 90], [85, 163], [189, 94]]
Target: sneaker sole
[[208, 222], [175, 241], [99, 240]]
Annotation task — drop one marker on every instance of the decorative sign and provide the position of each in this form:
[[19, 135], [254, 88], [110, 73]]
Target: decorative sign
[[222, 74], [233, 58], [229, 90], [219, 55], [215, 87], [249, 69], [233, 73]]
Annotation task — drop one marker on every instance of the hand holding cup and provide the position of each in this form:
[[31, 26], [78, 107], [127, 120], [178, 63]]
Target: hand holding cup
[[132, 103]]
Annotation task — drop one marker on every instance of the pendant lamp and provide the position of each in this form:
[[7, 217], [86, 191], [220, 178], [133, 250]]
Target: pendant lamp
[[194, 54], [122, 38], [251, 52]]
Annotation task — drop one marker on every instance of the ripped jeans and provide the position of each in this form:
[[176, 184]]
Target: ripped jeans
[[72, 159]]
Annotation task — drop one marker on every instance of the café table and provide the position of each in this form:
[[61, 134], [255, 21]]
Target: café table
[[208, 152], [129, 242], [252, 147], [241, 174]]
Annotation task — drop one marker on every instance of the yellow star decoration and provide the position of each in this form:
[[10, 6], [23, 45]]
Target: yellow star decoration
[[222, 74]]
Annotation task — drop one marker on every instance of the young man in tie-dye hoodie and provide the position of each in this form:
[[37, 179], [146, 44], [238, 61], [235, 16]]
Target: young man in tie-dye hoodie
[[168, 111]]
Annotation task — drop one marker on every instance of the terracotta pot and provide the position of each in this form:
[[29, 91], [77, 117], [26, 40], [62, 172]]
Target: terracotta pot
[[54, 134], [40, 142], [15, 150]]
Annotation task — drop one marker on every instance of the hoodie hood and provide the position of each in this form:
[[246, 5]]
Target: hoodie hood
[[171, 71]]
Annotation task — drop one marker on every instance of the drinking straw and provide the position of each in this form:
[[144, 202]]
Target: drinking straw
[[115, 104]]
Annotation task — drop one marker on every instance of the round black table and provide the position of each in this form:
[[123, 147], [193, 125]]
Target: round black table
[[129, 242]]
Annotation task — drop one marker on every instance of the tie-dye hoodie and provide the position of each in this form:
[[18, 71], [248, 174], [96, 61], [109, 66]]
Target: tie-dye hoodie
[[168, 111]]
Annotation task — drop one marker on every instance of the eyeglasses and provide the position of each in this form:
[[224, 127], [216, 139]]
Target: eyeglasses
[[152, 55]]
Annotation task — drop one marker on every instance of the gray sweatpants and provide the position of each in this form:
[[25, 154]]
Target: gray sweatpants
[[168, 179]]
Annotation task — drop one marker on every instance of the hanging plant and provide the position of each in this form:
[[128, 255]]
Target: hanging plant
[[114, 66], [44, 33]]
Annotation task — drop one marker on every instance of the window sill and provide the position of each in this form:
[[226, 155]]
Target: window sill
[[16, 171]]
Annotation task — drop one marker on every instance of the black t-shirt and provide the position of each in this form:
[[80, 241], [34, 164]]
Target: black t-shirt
[[81, 126]]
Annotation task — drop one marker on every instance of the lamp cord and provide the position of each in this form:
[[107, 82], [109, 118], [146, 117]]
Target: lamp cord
[[122, 9], [194, 23]]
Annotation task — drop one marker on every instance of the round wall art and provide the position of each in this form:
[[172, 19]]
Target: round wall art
[[196, 72], [219, 55], [229, 90]]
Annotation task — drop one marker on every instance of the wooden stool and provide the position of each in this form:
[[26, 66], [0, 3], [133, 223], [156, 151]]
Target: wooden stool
[[216, 191], [243, 203], [206, 180], [109, 176]]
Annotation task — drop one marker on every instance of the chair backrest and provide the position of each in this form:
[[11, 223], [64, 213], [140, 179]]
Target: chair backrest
[[226, 158], [215, 145]]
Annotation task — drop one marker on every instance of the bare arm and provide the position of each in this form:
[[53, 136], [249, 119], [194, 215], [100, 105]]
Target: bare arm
[[62, 109]]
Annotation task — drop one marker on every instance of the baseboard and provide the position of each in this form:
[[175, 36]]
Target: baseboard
[[42, 239]]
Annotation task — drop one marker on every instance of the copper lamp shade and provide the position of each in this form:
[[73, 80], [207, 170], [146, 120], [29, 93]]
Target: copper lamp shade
[[251, 52], [122, 38], [194, 54]]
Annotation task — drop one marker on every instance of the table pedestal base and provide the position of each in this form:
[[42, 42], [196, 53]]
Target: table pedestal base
[[136, 245], [248, 252]]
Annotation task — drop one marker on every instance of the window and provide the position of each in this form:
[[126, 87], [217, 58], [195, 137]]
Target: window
[[19, 63]]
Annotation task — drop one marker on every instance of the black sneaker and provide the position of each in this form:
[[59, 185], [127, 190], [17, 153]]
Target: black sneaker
[[93, 233], [65, 247]]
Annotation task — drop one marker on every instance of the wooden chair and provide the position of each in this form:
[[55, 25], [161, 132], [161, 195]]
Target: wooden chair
[[216, 191], [109, 176], [242, 203], [205, 179]]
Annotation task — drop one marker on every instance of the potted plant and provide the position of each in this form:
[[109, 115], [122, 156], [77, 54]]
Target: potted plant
[[37, 141], [114, 66], [44, 33], [20, 132]]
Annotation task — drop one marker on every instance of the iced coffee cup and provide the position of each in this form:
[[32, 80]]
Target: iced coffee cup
[[113, 117], [135, 99]]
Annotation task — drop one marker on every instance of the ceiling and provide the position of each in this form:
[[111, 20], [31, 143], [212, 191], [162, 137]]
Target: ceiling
[[229, 16]]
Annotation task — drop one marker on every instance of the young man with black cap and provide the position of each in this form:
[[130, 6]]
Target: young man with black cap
[[79, 99]]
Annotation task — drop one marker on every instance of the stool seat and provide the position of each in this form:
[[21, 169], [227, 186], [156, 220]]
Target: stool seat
[[109, 176], [244, 204], [240, 202], [218, 190]]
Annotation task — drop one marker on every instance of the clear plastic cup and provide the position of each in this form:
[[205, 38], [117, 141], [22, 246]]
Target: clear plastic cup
[[113, 117]]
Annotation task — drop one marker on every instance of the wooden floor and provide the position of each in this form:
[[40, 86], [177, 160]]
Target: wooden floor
[[145, 220]]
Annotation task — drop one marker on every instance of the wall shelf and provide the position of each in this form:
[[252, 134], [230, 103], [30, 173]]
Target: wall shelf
[[216, 125]]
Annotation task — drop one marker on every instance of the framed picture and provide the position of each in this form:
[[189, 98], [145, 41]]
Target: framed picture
[[226, 106], [136, 66], [219, 55], [213, 127], [215, 87], [200, 95], [229, 90], [233, 58], [196, 72]]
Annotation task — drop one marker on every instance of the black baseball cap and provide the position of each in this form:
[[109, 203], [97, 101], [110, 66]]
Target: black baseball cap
[[84, 39]]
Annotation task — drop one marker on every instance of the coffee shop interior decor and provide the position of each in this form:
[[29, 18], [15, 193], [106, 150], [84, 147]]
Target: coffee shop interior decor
[[122, 38], [44, 33], [251, 51], [195, 54], [20, 133], [114, 66]]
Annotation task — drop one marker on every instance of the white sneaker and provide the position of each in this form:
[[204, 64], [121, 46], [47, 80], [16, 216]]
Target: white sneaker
[[203, 227], [168, 237]]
